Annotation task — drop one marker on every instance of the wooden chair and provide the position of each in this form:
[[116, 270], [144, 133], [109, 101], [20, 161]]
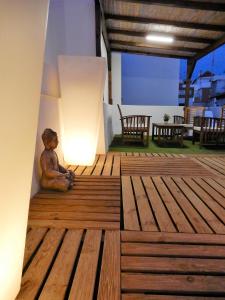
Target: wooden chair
[[211, 131], [135, 127], [189, 114]]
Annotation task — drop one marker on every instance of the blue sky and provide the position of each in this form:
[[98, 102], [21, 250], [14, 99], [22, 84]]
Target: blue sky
[[214, 62]]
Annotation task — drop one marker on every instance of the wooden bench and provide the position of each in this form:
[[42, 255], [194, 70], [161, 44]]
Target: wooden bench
[[135, 127]]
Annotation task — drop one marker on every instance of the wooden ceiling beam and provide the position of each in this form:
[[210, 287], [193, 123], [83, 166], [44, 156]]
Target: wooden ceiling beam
[[148, 53], [151, 46], [176, 36], [180, 24], [201, 5], [210, 48], [104, 29]]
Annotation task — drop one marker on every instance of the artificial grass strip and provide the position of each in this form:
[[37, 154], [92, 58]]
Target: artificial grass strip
[[188, 148]]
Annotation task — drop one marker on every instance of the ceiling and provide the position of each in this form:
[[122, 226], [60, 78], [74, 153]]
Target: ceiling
[[198, 27]]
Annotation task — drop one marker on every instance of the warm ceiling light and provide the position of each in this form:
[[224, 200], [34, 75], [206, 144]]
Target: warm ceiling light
[[160, 38]]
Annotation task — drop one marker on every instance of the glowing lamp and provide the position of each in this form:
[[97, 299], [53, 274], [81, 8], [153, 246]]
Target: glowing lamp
[[82, 84], [160, 38]]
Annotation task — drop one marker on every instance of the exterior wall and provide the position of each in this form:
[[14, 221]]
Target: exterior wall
[[148, 80], [70, 31], [22, 40]]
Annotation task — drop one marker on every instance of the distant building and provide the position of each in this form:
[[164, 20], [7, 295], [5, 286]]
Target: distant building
[[218, 91], [182, 88], [202, 89]]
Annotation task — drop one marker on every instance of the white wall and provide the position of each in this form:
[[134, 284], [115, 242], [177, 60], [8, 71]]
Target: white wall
[[104, 54], [70, 31], [112, 118], [116, 77], [22, 39], [149, 80]]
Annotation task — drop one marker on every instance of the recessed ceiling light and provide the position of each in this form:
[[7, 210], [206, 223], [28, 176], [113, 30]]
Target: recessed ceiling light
[[160, 38]]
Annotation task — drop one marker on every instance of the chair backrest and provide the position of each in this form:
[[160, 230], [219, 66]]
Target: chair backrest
[[193, 111], [178, 120], [121, 116]]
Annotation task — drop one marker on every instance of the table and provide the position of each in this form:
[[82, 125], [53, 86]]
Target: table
[[169, 132]]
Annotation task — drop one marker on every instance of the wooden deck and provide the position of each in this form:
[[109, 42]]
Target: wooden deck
[[155, 232]]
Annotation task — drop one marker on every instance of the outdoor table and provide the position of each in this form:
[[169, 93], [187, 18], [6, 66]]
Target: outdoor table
[[169, 132]]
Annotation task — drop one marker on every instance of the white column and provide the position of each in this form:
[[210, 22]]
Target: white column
[[22, 40]]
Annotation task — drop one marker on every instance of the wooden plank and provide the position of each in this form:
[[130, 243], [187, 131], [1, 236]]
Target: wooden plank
[[87, 216], [166, 297], [174, 265], [172, 250], [129, 208], [195, 5], [166, 237], [89, 169], [84, 280], [174, 283], [99, 166], [109, 284], [35, 274], [205, 212], [146, 216], [79, 170], [176, 213], [74, 208], [89, 202], [58, 280], [116, 166], [194, 217], [108, 165], [162, 217], [212, 204], [212, 192], [33, 240], [182, 24], [215, 186], [74, 224]]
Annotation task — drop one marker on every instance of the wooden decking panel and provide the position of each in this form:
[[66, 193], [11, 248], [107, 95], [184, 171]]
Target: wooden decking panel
[[73, 264], [170, 270], [94, 202], [172, 204], [169, 166]]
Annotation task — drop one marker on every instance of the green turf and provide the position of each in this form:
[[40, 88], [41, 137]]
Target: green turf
[[188, 148]]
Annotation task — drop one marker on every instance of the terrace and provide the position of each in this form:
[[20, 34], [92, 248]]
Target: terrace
[[140, 222], [135, 226]]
